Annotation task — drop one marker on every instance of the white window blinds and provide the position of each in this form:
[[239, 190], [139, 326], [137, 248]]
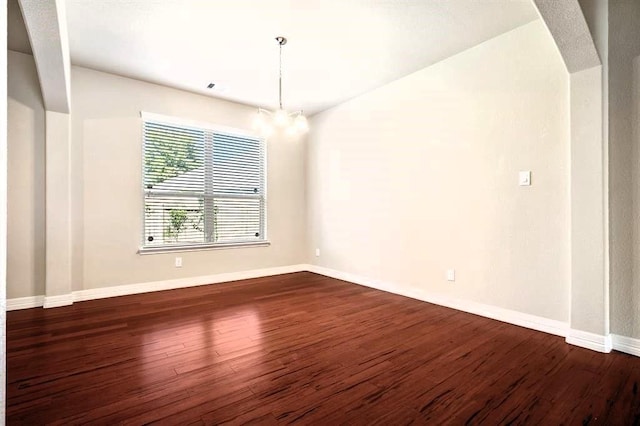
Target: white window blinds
[[202, 186]]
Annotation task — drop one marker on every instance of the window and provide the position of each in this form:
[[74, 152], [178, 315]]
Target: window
[[202, 187]]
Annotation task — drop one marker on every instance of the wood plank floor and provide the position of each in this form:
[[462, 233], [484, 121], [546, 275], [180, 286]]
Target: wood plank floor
[[301, 348]]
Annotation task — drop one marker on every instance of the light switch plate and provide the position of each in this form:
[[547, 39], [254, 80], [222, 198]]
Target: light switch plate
[[451, 274], [524, 178]]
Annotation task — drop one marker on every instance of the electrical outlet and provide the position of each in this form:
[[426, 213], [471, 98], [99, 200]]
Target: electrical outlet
[[451, 274], [317, 252], [178, 262], [524, 178]]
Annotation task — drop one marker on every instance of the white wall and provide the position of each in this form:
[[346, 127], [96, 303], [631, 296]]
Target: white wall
[[421, 175], [107, 191], [26, 207]]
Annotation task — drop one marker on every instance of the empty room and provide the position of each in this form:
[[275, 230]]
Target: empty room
[[320, 212]]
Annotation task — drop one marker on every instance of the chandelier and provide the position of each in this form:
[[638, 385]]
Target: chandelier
[[293, 123]]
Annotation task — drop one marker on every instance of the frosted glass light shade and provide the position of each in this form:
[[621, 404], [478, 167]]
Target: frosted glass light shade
[[262, 124], [259, 121], [281, 118], [266, 122]]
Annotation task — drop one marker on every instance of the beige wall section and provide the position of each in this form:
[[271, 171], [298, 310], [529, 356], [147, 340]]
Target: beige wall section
[[588, 294], [633, 294], [3, 213], [624, 48], [58, 204], [107, 192], [580, 29], [26, 198], [421, 175], [598, 202]]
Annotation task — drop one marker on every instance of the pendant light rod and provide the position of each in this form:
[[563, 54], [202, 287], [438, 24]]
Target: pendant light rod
[[281, 42], [293, 123]]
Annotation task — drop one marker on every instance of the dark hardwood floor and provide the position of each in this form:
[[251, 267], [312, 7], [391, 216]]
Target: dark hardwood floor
[[301, 348]]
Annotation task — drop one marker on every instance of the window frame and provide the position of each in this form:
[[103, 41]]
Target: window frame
[[169, 120]]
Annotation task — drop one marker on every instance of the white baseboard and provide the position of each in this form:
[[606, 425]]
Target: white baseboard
[[57, 301], [625, 344], [24, 302], [533, 322], [124, 290], [595, 342]]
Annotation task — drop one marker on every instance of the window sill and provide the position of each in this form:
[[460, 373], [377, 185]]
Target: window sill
[[202, 247]]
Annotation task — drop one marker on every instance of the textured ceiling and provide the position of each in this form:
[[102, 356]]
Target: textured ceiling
[[337, 49], [567, 24]]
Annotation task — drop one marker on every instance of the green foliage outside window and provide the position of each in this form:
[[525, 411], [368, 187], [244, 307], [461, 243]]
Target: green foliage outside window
[[163, 161], [178, 217]]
